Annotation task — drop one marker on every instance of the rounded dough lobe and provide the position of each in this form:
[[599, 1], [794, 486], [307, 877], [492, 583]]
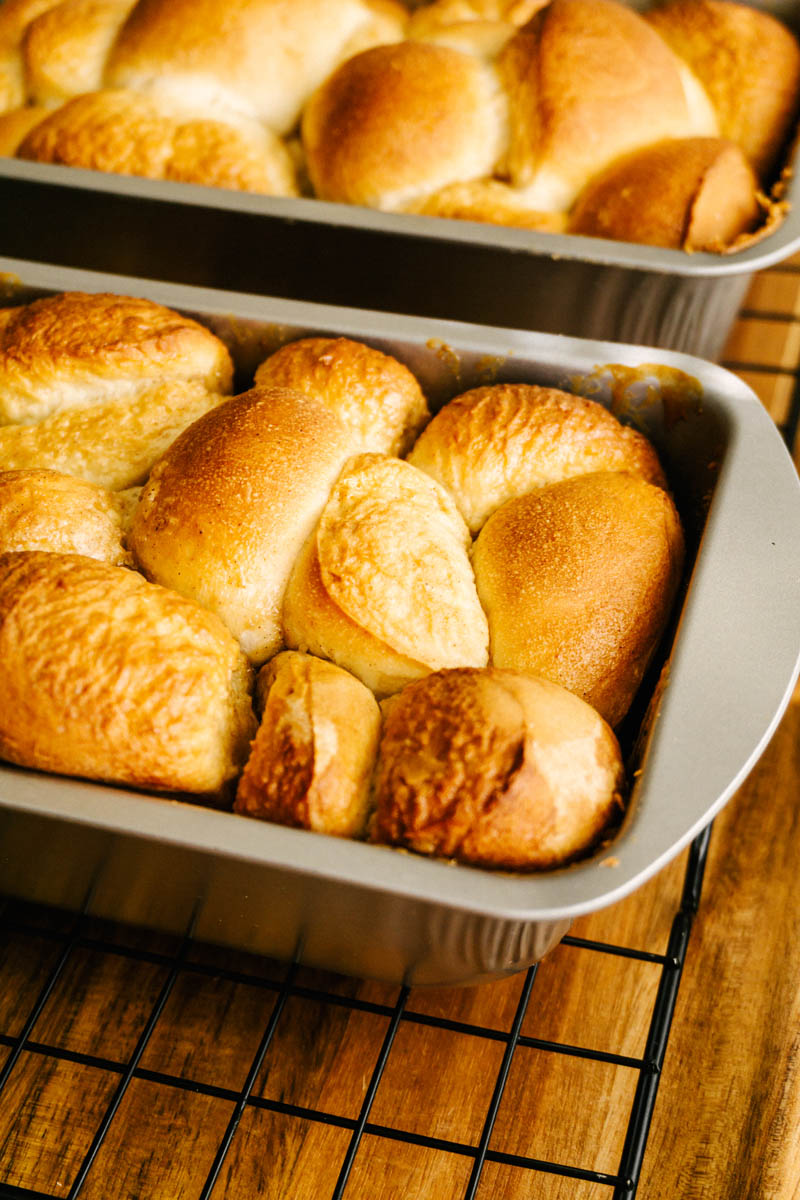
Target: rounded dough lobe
[[384, 587], [74, 349], [228, 506], [577, 580], [400, 121], [494, 443], [375, 396], [312, 759], [112, 678], [496, 769], [749, 64], [43, 510], [685, 194], [154, 137]]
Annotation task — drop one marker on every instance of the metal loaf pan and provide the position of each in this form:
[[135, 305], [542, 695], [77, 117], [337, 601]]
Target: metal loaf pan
[[708, 710], [343, 254]]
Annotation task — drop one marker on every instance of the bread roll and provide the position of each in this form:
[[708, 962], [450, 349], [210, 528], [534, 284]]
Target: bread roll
[[376, 396], [384, 586], [16, 124], [15, 17], [398, 122], [228, 506], [43, 510], [112, 444], [73, 350], [495, 769], [109, 677], [313, 755], [154, 137], [493, 443], [748, 63], [577, 580], [430, 18], [257, 58], [64, 49], [490, 201], [685, 194], [589, 81]]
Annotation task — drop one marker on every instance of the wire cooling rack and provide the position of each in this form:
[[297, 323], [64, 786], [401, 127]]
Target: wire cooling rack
[[137, 1065]]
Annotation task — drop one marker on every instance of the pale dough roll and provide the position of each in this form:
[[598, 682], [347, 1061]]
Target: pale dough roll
[[113, 444], [228, 506], [748, 63], [74, 349], [258, 58], [577, 580], [384, 587], [151, 136], [495, 769], [312, 759], [376, 396], [493, 443], [43, 510], [400, 121], [109, 677], [684, 194]]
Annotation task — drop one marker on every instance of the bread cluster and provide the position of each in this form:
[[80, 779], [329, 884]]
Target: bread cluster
[[313, 601], [668, 126]]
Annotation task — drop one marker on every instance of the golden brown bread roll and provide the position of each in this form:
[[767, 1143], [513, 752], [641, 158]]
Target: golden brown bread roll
[[493, 443], [44, 510], [375, 396], [685, 194], [577, 580], [259, 58], [748, 63], [313, 755], [542, 110], [64, 49], [16, 124], [128, 133], [15, 17], [228, 506], [496, 769], [73, 350], [588, 81], [112, 678], [384, 586], [398, 122]]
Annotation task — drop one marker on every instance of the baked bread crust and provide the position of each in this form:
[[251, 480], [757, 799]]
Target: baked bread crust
[[312, 758], [229, 504], [74, 349], [43, 510], [372, 393], [577, 580], [695, 194], [495, 769], [129, 133], [112, 678], [492, 444], [384, 587]]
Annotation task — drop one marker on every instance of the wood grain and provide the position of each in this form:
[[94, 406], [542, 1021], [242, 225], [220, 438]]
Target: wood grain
[[726, 1122]]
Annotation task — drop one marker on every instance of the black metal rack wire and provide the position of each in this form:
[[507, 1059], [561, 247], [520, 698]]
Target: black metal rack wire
[[67, 936], [78, 934]]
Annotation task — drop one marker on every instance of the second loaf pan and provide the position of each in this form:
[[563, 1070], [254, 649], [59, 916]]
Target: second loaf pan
[[343, 254], [711, 705]]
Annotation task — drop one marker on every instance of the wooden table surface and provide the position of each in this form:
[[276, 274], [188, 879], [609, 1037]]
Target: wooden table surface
[[133, 1068]]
